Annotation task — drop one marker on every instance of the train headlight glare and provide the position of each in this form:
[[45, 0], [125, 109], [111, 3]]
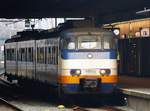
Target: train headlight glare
[[78, 72], [75, 72], [104, 71]]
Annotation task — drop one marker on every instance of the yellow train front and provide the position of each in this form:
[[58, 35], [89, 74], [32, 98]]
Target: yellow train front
[[87, 61]]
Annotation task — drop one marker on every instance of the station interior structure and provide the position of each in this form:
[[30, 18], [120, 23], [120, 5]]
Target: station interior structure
[[132, 28], [130, 17]]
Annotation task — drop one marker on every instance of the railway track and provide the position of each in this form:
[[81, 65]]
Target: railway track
[[20, 102], [107, 108], [8, 106]]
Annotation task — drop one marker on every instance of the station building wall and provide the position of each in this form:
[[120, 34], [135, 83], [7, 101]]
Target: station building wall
[[132, 28]]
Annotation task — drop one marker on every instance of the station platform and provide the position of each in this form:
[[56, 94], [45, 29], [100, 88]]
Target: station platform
[[137, 91]]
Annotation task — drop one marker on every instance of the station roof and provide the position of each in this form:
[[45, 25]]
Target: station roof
[[103, 9]]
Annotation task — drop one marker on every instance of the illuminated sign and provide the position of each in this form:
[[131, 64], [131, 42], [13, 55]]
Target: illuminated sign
[[145, 32]]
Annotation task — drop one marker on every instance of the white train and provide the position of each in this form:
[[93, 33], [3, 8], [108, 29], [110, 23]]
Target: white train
[[74, 58]]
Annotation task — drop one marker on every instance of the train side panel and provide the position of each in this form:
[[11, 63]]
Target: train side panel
[[22, 59], [47, 60], [30, 59], [52, 60]]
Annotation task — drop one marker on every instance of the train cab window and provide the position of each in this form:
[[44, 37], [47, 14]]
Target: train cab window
[[108, 42], [89, 42], [69, 43]]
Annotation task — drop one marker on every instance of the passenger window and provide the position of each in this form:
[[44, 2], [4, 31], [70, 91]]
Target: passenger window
[[40, 55], [23, 54], [30, 54], [45, 55], [8, 54], [56, 55], [53, 55], [49, 55], [55, 52], [19, 55], [13, 54]]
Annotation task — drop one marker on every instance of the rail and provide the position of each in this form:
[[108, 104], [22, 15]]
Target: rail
[[10, 105]]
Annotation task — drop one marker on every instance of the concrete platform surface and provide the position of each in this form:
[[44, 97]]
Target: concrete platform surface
[[137, 90], [135, 86]]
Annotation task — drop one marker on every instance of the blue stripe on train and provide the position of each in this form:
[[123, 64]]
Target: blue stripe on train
[[75, 88], [96, 54]]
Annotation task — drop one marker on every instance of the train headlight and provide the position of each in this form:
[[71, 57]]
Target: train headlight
[[75, 72], [104, 72]]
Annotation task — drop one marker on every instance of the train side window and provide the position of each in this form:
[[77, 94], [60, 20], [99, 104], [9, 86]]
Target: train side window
[[56, 55], [55, 51], [8, 54], [13, 54], [30, 54], [19, 55], [45, 55], [40, 54], [49, 55], [23, 54], [53, 55]]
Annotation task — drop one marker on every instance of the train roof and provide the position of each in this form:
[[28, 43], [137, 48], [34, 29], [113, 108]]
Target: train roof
[[67, 27], [88, 30], [32, 35]]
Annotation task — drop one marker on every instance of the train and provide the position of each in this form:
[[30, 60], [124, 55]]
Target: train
[[76, 58]]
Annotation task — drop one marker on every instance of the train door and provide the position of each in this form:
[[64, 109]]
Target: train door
[[30, 59], [22, 59], [52, 60], [40, 60]]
